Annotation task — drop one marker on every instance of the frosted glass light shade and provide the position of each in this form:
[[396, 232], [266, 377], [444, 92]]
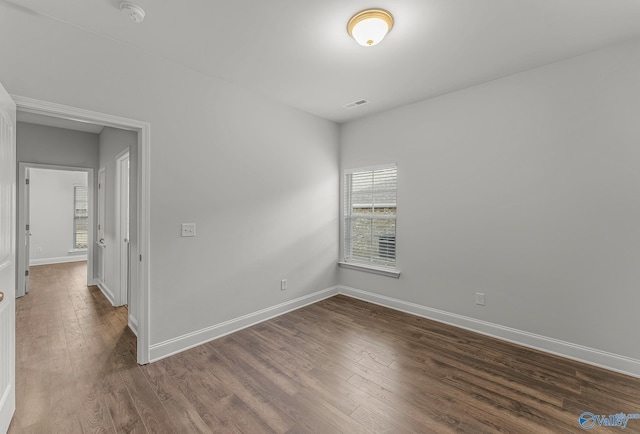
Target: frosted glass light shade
[[369, 27]]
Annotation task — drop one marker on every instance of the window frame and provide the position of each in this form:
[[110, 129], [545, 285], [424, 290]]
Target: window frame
[[76, 217], [346, 260]]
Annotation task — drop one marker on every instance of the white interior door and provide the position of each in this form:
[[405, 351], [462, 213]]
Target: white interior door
[[7, 259], [27, 232], [101, 217], [122, 203]]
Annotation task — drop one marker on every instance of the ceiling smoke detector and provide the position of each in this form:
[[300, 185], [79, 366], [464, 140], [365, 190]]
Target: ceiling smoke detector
[[131, 10]]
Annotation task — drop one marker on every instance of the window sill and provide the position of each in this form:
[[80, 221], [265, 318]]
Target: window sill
[[77, 251], [389, 272]]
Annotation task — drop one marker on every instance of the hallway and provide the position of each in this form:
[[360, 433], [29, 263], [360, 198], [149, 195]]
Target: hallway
[[68, 341]]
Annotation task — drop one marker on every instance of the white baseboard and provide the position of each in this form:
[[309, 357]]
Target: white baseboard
[[133, 325], [106, 291], [591, 356], [190, 340], [60, 260]]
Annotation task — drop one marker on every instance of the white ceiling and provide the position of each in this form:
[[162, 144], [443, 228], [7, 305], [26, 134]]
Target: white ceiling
[[298, 51]]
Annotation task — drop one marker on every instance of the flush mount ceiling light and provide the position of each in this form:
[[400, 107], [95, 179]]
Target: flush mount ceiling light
[[369, 27], [132, 11]]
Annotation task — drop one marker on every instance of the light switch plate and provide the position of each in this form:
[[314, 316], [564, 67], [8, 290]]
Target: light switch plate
[[188, 229]]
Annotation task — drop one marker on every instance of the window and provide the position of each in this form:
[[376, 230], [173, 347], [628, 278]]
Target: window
[[370, 217], [80, 217]]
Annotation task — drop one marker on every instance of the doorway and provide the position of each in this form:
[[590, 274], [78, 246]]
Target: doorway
[[138, 266], [59, 201]]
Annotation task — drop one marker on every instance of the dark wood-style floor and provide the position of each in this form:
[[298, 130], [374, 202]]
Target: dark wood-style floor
[[340, 365]]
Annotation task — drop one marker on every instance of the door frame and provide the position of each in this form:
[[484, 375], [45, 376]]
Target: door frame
[[7, 259], [22, 261], [140, 273]]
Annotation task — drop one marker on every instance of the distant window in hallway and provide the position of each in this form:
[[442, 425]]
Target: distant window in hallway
[[80, 217]]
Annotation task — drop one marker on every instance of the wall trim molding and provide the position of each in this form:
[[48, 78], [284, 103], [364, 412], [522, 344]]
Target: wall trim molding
[[58, 260], [106, 291], [181, 343], [580, 353]]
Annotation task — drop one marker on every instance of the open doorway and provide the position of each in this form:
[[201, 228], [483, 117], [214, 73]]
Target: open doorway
[[54, 218], [135, 291]]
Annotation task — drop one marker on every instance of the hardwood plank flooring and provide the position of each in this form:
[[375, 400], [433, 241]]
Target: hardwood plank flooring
[[340, 365]]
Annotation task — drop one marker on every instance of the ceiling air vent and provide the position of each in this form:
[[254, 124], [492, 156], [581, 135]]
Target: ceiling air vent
[[355, 104]]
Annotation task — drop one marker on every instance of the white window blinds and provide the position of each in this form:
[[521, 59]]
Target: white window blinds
[[80, 217], [370, 216]]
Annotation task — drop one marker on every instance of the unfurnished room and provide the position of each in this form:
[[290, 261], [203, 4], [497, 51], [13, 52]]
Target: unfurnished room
[[410, 216]]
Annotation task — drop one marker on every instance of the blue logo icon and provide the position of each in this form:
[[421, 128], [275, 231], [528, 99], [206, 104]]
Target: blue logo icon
[[587, 420]]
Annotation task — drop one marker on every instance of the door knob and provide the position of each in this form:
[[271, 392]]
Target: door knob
[[1, 296]]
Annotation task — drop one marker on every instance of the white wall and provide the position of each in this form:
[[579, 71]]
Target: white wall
[[525, 189], [51, 194], [259, 179], [56, 146]]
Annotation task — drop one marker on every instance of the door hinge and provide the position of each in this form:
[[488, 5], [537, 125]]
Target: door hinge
[[140, 258], [26, 181], [26, 272], [27, 227]]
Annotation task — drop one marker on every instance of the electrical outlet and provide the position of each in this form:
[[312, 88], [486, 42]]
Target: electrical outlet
[[479, 298], [283, 285], [188, 229]]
